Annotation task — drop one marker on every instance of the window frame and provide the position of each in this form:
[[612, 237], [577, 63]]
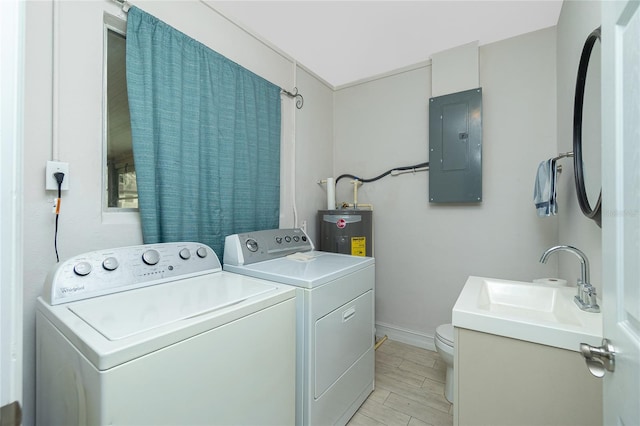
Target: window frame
[[118, 26]]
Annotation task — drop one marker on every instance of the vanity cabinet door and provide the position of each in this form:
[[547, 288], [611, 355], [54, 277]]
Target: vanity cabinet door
[[503, 381]]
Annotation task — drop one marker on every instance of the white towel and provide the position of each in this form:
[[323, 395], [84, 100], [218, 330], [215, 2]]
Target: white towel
[[302, 257], [544, 190]]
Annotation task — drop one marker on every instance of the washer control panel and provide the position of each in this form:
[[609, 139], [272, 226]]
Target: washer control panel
[[120, 269], [258, 246]]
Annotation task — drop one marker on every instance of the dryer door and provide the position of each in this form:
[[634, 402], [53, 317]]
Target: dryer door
[[341, 338]]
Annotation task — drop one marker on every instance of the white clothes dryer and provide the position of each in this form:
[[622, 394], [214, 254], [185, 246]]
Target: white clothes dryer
[[335, 313], [157, 335]]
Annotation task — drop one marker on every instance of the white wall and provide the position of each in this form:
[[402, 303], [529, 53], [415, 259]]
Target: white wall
[[577, 20], [425, 252], [11, 152], [314, 148], [38, 221]]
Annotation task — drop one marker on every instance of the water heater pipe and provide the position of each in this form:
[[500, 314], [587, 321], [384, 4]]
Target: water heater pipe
[[379, 342], [355, 183], [361, 206], [331, 194]]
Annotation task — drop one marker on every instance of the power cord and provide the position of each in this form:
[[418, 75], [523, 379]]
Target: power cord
[[59, 178], [388, 172]]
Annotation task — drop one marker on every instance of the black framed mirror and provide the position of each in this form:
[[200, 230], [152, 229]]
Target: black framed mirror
[[586, 130]]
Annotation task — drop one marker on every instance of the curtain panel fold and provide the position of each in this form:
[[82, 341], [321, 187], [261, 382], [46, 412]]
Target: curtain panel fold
[[206, 138]]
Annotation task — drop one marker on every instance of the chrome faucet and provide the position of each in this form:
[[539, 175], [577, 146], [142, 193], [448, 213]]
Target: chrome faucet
[[586, 297]]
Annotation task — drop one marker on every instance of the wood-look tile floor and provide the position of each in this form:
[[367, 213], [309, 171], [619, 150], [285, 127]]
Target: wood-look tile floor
[[409, 389]]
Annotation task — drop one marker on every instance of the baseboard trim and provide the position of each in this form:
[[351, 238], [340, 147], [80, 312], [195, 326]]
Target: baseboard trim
[[404, 335]]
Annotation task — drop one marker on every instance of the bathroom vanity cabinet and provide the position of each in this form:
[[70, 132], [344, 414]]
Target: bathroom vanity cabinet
[[505, 381]]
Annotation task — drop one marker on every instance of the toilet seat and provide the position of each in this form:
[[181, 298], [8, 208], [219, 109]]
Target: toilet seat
[[444, 333]]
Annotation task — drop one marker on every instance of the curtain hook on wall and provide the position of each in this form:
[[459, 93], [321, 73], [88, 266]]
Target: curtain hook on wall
[[295, 94]]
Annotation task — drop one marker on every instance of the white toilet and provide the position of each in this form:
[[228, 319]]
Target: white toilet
[[444, 346]]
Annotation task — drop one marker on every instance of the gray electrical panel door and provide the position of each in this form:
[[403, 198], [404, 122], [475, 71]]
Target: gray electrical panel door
[[455, 147]]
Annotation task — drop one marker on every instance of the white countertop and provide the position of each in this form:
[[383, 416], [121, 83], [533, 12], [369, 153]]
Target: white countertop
[[532, 312]]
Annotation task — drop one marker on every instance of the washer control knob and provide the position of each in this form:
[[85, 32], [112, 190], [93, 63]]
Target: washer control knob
[[296, 238], [279, 240], [252, 245], [304, 238], [82, 268], [201, 252], [110, 263], [151, 257], [185, 254], [287, 239]]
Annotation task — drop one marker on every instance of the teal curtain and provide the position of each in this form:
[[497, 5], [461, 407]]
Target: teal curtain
[[206, 138]]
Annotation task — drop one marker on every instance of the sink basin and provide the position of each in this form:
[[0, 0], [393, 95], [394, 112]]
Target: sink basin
[[527, 311], [496, 293], [526, 300]]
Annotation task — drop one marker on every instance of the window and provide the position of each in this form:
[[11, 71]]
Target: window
[[119, 168]]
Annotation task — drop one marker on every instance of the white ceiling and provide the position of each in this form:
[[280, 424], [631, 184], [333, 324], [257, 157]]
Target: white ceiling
[[347, 41]]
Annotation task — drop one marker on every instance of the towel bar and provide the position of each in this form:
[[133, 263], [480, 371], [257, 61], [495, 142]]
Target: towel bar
[[564, 155]]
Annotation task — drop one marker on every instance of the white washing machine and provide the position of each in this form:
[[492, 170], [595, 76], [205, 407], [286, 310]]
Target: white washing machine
[[335, 309], [158, 334]]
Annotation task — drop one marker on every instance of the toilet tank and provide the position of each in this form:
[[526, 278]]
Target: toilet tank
[[346, 231]]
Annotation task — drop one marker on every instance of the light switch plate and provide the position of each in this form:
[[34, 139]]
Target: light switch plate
[[50, 181]]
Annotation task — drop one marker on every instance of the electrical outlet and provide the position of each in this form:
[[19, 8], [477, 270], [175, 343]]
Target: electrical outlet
[[51, 184]]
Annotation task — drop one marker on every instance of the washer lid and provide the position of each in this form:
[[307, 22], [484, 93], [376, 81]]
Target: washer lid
[[445, 333], [113, 329], [126, 314]]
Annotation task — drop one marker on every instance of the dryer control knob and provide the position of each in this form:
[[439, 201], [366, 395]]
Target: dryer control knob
[[82, 269], [201, 252], [151, 257], [110, 263], [185, 254], [252, 245]]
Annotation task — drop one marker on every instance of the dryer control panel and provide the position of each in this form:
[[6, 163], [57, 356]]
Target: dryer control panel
[[125, 268], [258, 246]]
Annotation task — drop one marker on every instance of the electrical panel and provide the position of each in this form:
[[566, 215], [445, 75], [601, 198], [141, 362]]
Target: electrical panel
[[455, 147]]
